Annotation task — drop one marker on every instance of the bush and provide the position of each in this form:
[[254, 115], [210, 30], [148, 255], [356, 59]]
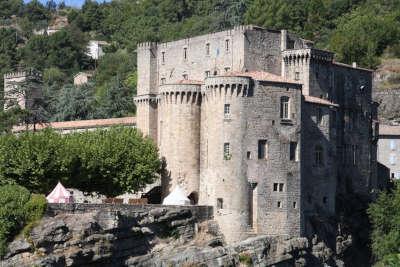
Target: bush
[[109, 161], [385, 217], [17, 209]]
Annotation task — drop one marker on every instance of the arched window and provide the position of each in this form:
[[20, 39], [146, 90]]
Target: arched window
[[285, 111], [319, 155]]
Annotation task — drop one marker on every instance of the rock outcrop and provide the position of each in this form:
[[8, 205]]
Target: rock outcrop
[[104, 235]]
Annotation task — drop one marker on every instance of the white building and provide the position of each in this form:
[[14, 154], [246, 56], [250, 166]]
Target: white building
[[389, 149], [95, 49]]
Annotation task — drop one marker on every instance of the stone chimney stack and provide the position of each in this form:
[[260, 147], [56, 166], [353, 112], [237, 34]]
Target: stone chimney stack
[[283, 40]]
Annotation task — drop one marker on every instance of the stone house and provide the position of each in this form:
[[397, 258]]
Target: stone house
[[260, 125], [389, 149]]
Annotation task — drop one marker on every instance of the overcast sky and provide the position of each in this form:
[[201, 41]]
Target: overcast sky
[[75, 3]]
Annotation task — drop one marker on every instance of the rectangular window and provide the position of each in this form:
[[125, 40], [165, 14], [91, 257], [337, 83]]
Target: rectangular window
[[393, 144], [163, 80], [325, 200], [185, 76], [279, 204], [319, 160], [185, 53], [285, 107], [220, 203], [295, 205], [297, 75], [227, 151], [262, 149], [163, 57], [278, 187], [293, 151], [207, 73], [248, 155], [207, 49], [281, 187], [227, 110], [226, 45], [275, 187], [397, 175]]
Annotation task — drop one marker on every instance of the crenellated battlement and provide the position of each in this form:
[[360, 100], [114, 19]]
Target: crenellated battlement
[[303, 55], [147, 45], [227, 85], [24, 73]]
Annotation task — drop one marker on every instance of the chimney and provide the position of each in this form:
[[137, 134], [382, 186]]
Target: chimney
[[283, 40]]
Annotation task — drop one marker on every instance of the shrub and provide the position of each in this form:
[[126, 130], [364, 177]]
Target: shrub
[[246, 259], [17, 209]]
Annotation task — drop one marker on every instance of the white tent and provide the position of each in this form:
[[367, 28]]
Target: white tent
[[176, 197], [59, 195]]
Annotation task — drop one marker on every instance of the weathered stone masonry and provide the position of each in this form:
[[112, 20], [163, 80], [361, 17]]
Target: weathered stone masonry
[[258, 124]]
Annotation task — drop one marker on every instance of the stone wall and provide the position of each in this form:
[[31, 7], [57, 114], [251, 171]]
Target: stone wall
[[389, 106]]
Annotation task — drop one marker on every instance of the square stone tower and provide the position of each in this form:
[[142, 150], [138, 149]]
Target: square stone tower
[[23, 89]]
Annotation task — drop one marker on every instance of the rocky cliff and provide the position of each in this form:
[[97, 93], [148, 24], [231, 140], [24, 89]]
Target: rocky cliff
[[151, 235]]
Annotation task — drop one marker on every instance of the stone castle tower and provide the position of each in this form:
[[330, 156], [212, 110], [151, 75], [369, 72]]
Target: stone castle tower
[[258, 124], [22, 88]]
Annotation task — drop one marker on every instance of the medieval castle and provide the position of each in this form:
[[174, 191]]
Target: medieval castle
[[259, 124]]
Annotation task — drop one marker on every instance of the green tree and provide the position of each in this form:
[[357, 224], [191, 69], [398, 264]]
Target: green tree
[[17, 209], [109, 161], [385, 217], [74, 103]]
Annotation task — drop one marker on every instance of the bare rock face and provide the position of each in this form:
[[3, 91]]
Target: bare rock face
[[154, 236]]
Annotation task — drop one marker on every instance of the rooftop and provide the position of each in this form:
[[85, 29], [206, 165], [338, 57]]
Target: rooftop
[[389, 130], [261, 76], [83, 124], [321, 101]]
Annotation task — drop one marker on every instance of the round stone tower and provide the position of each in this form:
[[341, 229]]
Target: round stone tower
[[223, 178], [179, 136]]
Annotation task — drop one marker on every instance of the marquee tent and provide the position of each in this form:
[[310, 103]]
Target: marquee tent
[[59, 195], [176, 197]]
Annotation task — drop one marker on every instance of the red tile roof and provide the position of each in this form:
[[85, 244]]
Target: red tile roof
[[261, 76], [389, 130], [188, 82], [317, 100], [65, 125]]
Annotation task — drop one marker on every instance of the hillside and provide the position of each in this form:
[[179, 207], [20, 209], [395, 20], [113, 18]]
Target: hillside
[[357, 30]]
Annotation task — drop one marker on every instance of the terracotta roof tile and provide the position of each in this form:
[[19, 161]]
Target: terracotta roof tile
[[80, 124], [317, 100], [389, 130], [261, 76]]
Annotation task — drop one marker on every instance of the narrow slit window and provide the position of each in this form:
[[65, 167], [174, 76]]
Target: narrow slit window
[[220, 203], [207, 49], [279, 204], [295, 205], [185, 53], [227, 45], [248, 155], [293, 151], [227, 151]]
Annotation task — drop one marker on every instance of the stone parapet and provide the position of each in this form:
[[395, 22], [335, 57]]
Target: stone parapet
[[200, 213]]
